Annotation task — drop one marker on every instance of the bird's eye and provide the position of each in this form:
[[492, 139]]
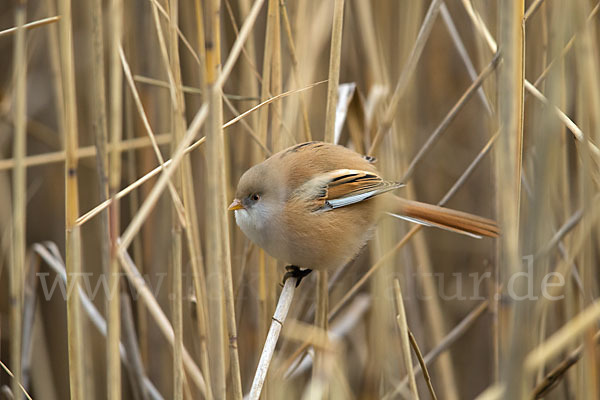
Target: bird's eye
[[255, 197]]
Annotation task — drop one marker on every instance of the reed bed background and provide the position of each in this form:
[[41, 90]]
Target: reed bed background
[[487, 107]]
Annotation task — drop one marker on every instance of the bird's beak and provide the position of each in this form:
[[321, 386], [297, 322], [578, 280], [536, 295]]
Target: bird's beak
[[235, 205]]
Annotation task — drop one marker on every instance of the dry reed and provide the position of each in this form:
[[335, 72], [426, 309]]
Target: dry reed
[[492, 108]]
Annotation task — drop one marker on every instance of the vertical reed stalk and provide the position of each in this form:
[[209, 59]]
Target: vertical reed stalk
[[178, 131], [73, 233], [55, 68], [263, 125], [116, 123], [98, 101], [508, 181], [263, 113], [177, 317], [221, 211], [19, 199], [109, 218], [277, 141], [249, 76], [332, 95], [587, 50], [334, 69], [322, 309], [294, 60], [215, 207], [196, 256]]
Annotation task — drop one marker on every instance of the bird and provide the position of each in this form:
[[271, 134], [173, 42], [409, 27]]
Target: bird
[[314, 206]]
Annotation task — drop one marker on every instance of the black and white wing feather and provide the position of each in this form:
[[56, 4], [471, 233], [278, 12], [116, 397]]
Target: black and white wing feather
[[344, 187]]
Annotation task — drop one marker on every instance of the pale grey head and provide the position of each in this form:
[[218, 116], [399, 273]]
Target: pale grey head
[[258, 204]]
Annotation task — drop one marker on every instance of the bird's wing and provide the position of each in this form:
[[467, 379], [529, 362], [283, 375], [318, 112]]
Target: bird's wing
[[343, 187]]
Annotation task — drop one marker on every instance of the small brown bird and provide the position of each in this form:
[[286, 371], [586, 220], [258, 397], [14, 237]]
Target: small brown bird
[[314, 206]]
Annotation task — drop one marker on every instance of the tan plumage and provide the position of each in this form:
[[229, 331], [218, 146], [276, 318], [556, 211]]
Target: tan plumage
[[314, 205]]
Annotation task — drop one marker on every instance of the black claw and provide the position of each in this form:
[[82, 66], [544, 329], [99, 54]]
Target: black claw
[[295, 272]]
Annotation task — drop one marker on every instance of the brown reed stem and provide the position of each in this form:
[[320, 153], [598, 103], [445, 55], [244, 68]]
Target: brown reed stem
[[114, 180], [73, 234], [19, 201], [404, 336], [334, 69]]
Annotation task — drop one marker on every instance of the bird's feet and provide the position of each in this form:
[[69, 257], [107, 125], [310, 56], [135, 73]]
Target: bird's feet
[[295, 272]]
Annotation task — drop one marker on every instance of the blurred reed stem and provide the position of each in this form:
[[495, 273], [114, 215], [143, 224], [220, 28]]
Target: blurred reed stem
[[176, 310], [56, 70], [587, 51], [194, 244], [178, 130], [410, 69], [294, 64], [277, 141], [114, 182], [508, 157], [319, 372], [271, 25], [319, 361], [407, 71], [249, 75], [19, 201]]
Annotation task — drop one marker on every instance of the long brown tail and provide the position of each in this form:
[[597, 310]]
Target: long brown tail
[[444, 218]]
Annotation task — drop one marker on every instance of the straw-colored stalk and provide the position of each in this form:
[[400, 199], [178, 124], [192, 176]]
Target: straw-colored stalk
[[55, 69], [278, 142], [321, 322], [442, 346], [73, 234], [134, 227], [334, 69], [332, 96], [407, 71], [219, 256], [531, 88], [404, 336], [49, 254], [562, 338], [263, 114], [508, 182], [422, 364], [85, 152], [249, 76], [116, 121], [134, 143], [294, 61], [7, 392], [192, 221], [178, 130], [138, 102], [283, 306], [30, 25], [587, 50], [19, 199], [459, 182], [98, 99], [133, 202], [109, 231], [176, 310], [215, 197]]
